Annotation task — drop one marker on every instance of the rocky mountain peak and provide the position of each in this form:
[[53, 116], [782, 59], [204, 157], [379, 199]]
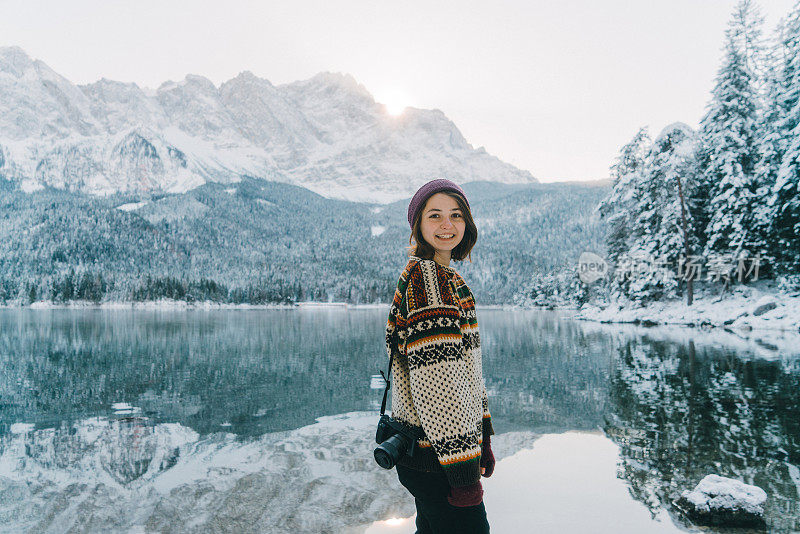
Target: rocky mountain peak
[[14, 61], [325, 133]]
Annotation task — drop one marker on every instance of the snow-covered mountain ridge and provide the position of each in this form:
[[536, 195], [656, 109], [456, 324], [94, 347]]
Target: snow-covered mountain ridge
[[326, 133]]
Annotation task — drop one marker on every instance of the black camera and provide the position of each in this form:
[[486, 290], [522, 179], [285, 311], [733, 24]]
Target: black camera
[[394, 439]]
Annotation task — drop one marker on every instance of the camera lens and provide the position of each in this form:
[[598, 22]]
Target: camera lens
[[388, 452]]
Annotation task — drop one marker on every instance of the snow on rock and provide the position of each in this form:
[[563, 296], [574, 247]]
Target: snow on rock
[[715, 491], [377, 230], [719, 500]]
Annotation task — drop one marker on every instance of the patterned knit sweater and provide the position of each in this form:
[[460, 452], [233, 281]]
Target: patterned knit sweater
[[437, 378]]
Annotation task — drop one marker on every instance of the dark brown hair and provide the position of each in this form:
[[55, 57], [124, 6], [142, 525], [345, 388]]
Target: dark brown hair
[[422, 249]]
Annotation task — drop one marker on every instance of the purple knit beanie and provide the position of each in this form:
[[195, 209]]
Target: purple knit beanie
[[428, 190]]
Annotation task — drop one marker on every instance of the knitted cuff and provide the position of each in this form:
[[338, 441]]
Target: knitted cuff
[[463, 473], [466, 495]]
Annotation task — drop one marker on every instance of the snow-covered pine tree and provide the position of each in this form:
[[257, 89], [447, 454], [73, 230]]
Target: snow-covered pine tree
[[783, 202], [771, 141], [617, 207], [657, 226], [729, 140]]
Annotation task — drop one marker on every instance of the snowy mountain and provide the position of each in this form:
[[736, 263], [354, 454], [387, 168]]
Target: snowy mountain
[[326, 134]]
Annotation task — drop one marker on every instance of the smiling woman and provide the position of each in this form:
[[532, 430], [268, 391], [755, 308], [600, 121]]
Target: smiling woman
[[438, 392]]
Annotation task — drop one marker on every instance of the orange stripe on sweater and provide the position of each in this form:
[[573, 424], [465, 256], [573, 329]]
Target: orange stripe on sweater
[[438, 337], [458, 460]]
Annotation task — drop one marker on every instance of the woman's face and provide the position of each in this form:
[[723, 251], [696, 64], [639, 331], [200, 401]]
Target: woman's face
[[441, 217]]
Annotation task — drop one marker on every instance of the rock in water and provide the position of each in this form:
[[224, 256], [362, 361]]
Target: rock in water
[[722, 501]]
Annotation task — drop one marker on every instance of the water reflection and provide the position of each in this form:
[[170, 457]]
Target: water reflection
[[681, 411], [241, 371], [212, 414]]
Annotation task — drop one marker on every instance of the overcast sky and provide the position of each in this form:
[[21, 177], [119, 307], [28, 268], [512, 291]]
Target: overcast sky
[[554, 87]]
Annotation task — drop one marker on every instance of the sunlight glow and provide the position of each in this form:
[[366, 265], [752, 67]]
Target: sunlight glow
[[394, 101], [395, 109]]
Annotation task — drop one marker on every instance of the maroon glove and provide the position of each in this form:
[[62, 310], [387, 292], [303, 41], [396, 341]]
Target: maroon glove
[[487, 458], [466, 495]]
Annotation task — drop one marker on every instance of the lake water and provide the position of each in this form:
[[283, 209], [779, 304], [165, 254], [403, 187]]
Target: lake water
[[264, 421]]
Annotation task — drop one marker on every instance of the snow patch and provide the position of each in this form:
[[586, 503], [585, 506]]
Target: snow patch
[[131, 206], [30, 186], [21, 428]]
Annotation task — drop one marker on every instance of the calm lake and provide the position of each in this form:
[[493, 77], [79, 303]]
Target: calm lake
[[264, 421]]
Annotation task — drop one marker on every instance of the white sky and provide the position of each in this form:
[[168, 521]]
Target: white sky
[[554, 87]]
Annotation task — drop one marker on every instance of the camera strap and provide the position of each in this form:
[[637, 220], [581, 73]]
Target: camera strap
[[386, 379]]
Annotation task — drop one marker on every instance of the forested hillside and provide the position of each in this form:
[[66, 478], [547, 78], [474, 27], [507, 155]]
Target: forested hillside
[[267, 242]]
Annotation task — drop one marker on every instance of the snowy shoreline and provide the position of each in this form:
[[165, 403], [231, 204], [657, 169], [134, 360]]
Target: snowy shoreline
[[746, 308]]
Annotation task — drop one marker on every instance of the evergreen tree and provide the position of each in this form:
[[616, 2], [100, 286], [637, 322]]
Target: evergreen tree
[[730, 141], [617, 207], [783, 204], [657, 229], [771, 141], [647, 210]]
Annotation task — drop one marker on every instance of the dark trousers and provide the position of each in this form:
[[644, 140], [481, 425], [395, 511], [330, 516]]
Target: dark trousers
[[434, 514]]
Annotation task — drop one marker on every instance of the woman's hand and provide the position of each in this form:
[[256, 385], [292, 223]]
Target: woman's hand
[[487, 458]]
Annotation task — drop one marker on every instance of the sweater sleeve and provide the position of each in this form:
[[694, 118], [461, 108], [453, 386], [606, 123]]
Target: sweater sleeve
[[439, 373], [488, 429]]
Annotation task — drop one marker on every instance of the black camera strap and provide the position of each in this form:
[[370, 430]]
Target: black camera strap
[[386, 379]]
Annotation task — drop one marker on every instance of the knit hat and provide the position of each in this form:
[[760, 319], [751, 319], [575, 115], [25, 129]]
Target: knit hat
[[427, 191]]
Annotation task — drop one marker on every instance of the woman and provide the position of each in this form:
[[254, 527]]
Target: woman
[[438, 388]]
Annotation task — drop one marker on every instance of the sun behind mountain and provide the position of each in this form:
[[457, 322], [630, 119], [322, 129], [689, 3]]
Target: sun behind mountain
[[394, 102]]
